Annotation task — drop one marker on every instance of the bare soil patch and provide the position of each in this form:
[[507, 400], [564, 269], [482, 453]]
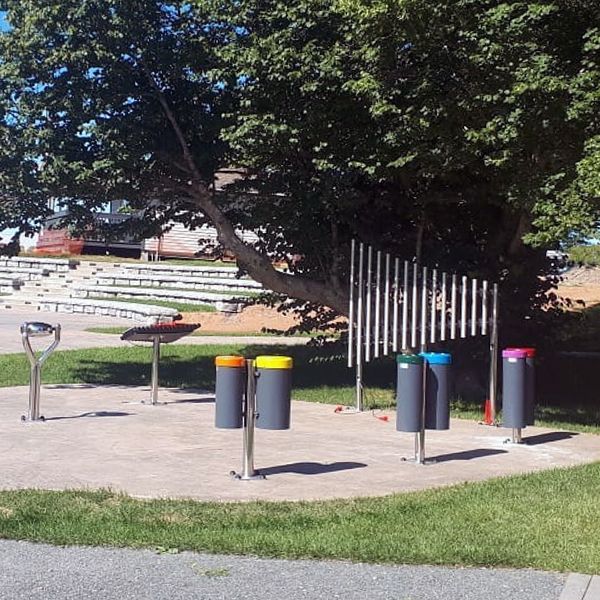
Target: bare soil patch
[[251, 319]]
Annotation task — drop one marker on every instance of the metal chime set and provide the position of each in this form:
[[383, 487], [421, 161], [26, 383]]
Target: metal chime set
[[401, 306]]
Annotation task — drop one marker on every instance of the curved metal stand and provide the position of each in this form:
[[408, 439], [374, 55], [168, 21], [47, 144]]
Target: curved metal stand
[[29, 330]]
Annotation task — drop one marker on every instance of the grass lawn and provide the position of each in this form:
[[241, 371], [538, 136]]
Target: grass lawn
[[320, 376], [180, 306], [587, 255], [200, 332], [188, 262], [546, 520]]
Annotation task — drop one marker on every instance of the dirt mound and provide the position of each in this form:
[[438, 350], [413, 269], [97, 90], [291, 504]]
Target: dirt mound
[[253, 319]]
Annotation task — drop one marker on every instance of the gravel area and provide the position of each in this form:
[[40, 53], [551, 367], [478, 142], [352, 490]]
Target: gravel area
[[38, 572]]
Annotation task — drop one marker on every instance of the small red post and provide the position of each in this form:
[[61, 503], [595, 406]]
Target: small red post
[[487, 414]]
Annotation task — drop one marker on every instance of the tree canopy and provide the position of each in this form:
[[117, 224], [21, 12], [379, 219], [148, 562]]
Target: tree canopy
[[456, 130]]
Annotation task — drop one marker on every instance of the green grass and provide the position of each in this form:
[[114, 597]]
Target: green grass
[[587, 255], [546, 520], [180, 306], [192, 262], [200, 332]]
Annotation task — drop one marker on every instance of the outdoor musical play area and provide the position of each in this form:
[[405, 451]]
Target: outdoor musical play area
[[244, 439]]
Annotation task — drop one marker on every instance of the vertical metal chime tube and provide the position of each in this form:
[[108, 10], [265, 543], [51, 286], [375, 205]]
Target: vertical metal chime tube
[[155, 360], [484, 307], [473, 307], [443, 308], [414, 307], [463, 308], [248, 471], [376, 350], [369, 303], [424, 309], [494, 355], [453, 300], [359, 328], [351, 324], [405, 301], [386, 307], [396, 300], [433, 324]]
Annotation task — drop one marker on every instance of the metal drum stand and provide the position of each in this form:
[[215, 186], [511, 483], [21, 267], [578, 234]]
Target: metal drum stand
[[30, 330]]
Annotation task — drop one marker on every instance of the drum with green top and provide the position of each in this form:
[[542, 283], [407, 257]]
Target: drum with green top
[[273, 391], [409, 392]]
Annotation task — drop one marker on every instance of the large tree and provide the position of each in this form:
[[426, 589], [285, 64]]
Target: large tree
[[452, 130]]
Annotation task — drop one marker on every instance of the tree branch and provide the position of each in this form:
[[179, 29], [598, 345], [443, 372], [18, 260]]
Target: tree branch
[[258, 266]]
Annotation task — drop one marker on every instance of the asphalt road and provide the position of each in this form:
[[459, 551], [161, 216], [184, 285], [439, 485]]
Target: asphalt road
[[74, 336], [39, 572]]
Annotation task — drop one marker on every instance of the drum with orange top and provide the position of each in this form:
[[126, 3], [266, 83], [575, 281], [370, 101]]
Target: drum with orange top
[[229, 391]]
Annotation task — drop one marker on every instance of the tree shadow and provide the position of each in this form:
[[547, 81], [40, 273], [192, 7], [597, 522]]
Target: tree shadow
[[312, 468], [313, 367], [545, 438], [98, 413], [468, 454]]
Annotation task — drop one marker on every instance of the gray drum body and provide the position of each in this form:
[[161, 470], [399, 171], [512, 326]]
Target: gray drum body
[[409, 393], [437, 391], [273, 393], [514, 390], [229, 396], [530, 390]]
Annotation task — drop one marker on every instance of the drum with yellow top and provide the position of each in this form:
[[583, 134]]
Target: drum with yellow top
[[273, 391]]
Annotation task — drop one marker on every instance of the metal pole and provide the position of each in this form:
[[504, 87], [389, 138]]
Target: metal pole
[[494, 355], [473, 307], [369, 303], [33, 412], [453, 294], [463, 308], [396, 300], [424, 309], [405, 298], [359, 329], [351, 305], [517, 436], [433, 324], [443, 312], [414, 307], [377, 306], [386, 308], [155, 361], [484, 307], [248, 471]]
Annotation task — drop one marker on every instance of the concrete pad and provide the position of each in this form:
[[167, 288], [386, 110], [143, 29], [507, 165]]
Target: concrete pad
[[101, 436]]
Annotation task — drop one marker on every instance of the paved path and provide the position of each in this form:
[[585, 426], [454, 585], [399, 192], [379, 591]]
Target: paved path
[[39, 572], [148, 450], [74, 336]]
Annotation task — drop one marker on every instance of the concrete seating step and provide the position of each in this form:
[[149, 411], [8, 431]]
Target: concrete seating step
[[183, 296], [184, 282], [136, 312]]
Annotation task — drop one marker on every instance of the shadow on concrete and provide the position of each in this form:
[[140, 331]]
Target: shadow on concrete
[[312, 468], [468, 454], [545, 438], [98, 413], [192, 401], [70, 386]]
